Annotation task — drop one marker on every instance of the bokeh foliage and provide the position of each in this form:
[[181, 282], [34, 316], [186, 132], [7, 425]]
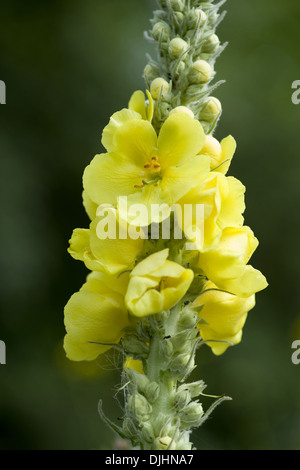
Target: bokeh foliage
[[68, 65]]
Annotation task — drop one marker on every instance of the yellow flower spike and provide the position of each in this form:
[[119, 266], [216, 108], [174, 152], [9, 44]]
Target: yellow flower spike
[[226, 264], [149, 169], [224, 316], [102, 248], [156, 284], [95, 317]]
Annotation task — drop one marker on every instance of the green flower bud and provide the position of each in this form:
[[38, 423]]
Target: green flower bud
[[141, 380], [211, 44], [139, 407], [177, 68], [166, 348], [201, 72], [192, 415], [177, 5], [214, 106], [179, 17], [165, 443], [152, 392], [150, 73], [177, 47], [182, 398], [188, 318], [148, 433], [158, 87], [129, 427], [133, 345], [161, 31], [196, 16], [194, 388], [180, 362]]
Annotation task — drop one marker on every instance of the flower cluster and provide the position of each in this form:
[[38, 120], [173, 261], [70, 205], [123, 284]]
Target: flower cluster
[[132, 276]]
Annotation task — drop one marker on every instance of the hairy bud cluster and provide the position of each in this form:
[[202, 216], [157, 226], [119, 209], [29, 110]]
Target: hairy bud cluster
[[185, 34], [173, 411]]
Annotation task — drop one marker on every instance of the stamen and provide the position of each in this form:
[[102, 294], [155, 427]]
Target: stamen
[[155, 158], [156, 165], [147, 165], [138, 186]]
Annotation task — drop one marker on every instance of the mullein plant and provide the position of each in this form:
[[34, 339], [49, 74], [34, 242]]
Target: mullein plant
[[156, 298]]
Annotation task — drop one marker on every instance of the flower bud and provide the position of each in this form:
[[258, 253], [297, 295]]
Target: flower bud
[[152, 392], [179, 16], [213, 107], [165, 443], [195, 17], [177, 68], [177, 5], [201, 72], [194, 388], [129, 427], [192, 415], [150, 72], [147, 433], [161, 31], [182, 398], [141, 380], [159, 86], [211, 44], [138, 406], [166, 348], [133, 345], [182, 109], [177, 47]]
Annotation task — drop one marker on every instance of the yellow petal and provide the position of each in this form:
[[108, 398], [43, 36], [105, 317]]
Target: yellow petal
[[136, 141], [116, 121], [94, 321], [224, 315], [137, 103], [151, 263], [109, 176], [114, 254], [89, 205], [228, 146], [181, 138]]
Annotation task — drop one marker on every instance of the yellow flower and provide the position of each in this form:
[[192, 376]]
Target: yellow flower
[[95, 317], [220, 153], [112, 254], [226, 263], [156, 284], [224, 316], [145, 168], [224, 204]]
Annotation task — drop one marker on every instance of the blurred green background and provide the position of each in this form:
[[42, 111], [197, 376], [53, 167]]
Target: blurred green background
[[68, 65]]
